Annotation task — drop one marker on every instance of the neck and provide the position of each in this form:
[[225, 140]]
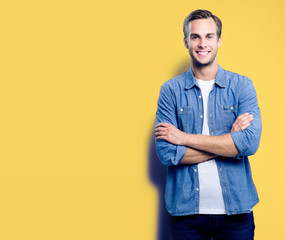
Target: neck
[[205, 72]]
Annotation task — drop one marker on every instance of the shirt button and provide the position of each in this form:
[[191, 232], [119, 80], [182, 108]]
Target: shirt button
[[195, 170], [181, 109], [197, 189], [201, 116], [232, 107], [200, 96]]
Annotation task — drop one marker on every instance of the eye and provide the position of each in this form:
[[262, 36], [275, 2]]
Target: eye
[[209, 37], [194, 37]]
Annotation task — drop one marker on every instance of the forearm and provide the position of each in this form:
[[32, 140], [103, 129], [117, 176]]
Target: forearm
[[193, 156], [202, 147], [222, 145]]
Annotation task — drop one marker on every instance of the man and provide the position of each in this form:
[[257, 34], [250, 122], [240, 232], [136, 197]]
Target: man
[[207, 124]]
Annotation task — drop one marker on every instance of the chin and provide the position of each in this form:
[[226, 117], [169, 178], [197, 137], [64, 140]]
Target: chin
[[202, 64]]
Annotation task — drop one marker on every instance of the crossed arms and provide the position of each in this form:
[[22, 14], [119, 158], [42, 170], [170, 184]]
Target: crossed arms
[[201, 147], [176, 147]]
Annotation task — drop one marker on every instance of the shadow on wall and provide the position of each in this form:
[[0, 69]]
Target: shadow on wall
[[157, 175]]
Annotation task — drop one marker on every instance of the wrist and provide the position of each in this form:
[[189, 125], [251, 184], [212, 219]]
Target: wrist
[[184, 139]]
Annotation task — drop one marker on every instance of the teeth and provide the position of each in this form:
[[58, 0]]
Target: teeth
[[203, 53]]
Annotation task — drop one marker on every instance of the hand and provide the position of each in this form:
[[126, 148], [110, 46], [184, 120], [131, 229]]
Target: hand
[[242, 122], [168, 132]]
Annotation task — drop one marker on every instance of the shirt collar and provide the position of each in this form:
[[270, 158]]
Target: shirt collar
[[190, 79]]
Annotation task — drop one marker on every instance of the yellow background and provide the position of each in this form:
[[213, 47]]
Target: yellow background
[[79, 86]]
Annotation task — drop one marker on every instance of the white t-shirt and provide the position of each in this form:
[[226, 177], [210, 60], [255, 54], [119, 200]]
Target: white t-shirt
[[211, 197]]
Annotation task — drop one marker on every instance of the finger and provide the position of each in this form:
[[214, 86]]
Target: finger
[[160, 133], [161, 130], [160, 138], [235, 123], [245, 116], [241, 125], [246, 120], [157, 129], [245, 126], [242, 115], [163, 124], [235, 129]]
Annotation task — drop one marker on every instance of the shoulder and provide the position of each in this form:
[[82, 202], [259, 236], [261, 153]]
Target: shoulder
[[238, 84], [172, 89], [175, 83], [235, 78]]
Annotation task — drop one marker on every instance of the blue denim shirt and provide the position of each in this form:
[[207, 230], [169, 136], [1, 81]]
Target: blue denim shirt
[[180, 103]]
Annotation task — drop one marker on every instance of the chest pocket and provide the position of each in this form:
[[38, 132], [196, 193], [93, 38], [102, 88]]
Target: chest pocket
[[229, 113], [185, 118]]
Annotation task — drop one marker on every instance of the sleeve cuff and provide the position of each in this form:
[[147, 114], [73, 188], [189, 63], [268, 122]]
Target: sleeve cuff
[[238, 138], [180, 152]]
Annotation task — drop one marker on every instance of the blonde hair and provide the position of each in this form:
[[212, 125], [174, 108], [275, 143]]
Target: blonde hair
[[201, 14]]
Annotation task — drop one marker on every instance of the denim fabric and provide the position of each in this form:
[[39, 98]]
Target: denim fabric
[[212, 227], [180, 103]]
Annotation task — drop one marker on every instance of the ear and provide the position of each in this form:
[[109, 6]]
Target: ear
[[219, 42], [186, 44]]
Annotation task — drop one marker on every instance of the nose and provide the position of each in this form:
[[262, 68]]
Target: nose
[[202, 43]]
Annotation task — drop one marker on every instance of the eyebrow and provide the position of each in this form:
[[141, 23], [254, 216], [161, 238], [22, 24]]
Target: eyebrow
[[196, 34]]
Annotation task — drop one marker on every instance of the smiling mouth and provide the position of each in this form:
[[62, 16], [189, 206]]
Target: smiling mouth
[[203, 53]]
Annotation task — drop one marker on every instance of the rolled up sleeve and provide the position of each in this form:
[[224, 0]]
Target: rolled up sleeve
[[247, 141], [169, 154]]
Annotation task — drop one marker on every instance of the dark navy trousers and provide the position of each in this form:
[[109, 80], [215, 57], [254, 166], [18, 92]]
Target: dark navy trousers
[[212, 227]]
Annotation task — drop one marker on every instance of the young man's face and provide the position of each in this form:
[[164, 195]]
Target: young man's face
[[203, 42]]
